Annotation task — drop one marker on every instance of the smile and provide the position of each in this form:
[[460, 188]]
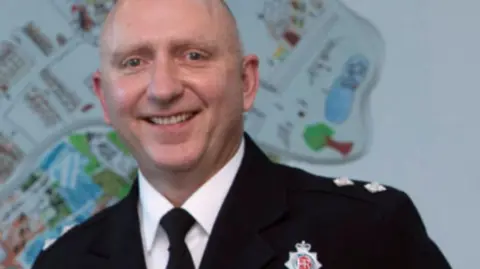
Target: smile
[[170, 120]]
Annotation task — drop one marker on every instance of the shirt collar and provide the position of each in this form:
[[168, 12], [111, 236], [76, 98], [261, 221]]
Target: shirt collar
[[153, 206], [203, 205]]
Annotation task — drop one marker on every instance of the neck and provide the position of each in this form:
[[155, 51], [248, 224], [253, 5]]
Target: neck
[[178, 186]]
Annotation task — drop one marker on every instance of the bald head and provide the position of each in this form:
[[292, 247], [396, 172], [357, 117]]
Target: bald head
[[218, 10]]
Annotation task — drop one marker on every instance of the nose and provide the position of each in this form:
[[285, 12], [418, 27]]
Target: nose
[[165, 86]]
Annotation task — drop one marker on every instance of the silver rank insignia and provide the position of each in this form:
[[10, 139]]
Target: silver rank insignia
[[303, 258], [343, 181], [375, 187]]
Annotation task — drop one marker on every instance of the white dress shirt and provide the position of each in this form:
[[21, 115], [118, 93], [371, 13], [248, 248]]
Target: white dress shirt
[[203, 205]]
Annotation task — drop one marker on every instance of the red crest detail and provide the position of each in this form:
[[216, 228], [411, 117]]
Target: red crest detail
[[304, 262]]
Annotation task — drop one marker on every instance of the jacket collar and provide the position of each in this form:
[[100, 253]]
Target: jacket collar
[[255, 201]]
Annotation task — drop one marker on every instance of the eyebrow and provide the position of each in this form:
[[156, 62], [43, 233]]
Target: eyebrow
[[142, 49], [147, 48]]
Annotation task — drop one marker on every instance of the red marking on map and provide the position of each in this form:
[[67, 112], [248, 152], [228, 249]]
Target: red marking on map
[[292, 38], [87, 107], [319, 136], [86, 22], [342, 147]]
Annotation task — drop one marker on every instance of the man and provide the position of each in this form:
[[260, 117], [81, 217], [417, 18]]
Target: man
[[174, 83]]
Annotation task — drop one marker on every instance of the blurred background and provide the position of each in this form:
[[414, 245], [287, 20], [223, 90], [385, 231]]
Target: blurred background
[[374, 90]]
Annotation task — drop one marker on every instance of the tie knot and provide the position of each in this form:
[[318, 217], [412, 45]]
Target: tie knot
[[177, 222]]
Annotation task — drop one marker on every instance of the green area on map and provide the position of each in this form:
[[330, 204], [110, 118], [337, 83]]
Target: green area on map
[[112, 184], [316, 135], [115, 139], [80, 143]]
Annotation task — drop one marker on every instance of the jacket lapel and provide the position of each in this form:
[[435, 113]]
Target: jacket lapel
[[255, 201], [119, 243]]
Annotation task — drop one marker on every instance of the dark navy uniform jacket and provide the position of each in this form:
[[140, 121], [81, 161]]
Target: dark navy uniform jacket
[[269, 211]]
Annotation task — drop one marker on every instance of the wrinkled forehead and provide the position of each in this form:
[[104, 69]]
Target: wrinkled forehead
[[133, 20]]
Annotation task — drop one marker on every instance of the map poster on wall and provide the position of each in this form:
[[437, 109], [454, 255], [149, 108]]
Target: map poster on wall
[[59, 163], [319, 62]]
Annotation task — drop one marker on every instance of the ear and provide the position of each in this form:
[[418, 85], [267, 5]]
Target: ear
[[97, 87], [250, 80]]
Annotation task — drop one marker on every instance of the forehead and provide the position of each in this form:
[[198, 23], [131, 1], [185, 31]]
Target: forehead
[[137, 21]]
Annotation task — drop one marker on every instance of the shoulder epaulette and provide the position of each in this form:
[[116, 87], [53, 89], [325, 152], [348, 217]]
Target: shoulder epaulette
[[372, 187], [372, 191]]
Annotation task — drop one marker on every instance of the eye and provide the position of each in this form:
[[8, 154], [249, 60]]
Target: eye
[[194, 56], [133, 62]]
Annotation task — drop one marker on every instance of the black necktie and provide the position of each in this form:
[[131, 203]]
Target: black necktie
[[177, 222]]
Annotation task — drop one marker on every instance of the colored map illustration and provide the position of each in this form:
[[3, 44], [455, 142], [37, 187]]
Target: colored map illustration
[[319, 61], [59, 164], [61, 183]]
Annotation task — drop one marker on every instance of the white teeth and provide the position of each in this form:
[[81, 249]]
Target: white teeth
[[172, 119]]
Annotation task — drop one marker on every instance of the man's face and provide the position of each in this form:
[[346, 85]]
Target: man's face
[[172, 83]]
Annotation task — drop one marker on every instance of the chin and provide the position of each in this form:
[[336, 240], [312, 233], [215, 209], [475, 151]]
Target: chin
[[174, 159], [176, 165]]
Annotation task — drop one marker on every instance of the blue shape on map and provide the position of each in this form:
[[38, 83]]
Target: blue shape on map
[[67, 166], [31, 251], [339, 104], [87, 211], [83, 191], [52, 156], [356, 68], [85, 215], [340, 98]]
